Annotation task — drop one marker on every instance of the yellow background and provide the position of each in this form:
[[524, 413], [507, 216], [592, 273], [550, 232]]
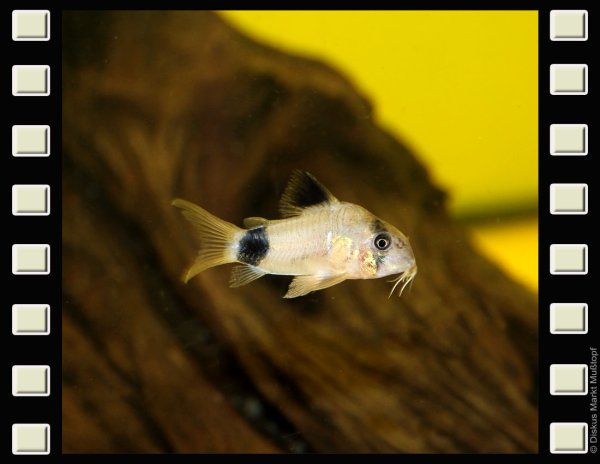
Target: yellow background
[[460, 87]]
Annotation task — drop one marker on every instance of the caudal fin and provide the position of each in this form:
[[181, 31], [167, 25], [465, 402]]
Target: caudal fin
[[216, 237]]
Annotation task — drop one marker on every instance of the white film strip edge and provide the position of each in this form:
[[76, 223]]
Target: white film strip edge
[[568, 199], [31, 200]]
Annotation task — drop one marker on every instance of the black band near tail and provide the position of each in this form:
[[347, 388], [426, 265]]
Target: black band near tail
[[253, 246]]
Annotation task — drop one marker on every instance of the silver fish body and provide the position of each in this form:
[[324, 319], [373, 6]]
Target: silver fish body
[[321, 242]]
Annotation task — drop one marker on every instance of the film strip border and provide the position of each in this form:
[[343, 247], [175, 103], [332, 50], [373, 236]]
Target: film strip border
[[34, 231], [568, 357], [568, 415]]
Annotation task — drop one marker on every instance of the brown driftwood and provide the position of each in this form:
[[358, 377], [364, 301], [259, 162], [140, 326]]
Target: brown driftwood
[[159, 105]]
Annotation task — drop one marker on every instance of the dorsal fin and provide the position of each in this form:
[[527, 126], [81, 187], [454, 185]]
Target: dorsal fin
[[303, 191]]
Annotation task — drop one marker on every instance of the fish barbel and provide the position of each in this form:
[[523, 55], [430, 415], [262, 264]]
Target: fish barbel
[[321, 241]]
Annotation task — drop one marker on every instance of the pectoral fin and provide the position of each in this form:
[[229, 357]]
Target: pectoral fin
[[301, 285], [243, 275]]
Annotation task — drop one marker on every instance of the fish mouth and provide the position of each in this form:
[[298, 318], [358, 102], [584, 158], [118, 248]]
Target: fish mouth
[[406, 277]]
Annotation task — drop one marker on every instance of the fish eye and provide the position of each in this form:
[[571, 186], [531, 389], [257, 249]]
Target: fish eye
[[382, 241]]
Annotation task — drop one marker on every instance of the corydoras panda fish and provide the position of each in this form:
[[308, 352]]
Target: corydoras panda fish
[[321, 241]]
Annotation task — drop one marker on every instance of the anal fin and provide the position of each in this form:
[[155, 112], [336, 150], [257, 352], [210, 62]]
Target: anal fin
[[243, 275], [301, 285]]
